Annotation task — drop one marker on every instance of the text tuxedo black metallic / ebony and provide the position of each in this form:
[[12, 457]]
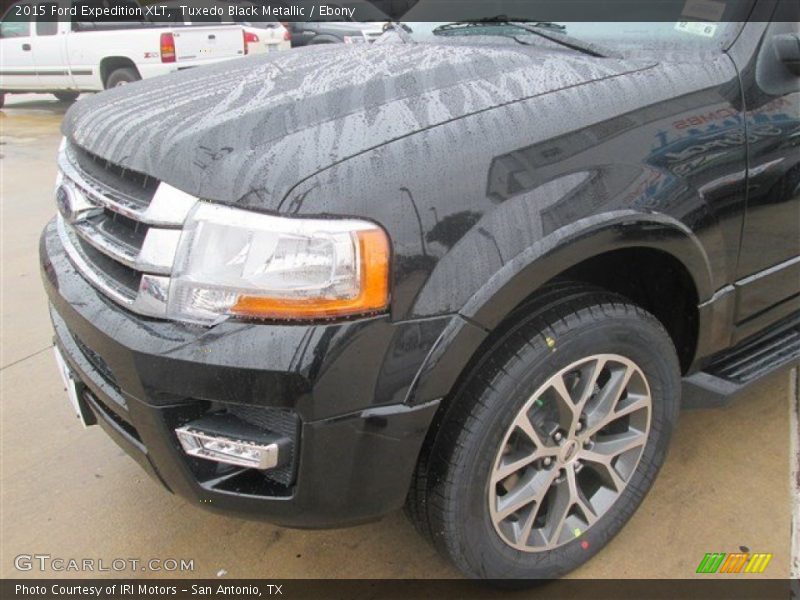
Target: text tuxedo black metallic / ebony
[[666, 178]]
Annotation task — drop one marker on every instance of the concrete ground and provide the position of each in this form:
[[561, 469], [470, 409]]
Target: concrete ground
[[71, 493]]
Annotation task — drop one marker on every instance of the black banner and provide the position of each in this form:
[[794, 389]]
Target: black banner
[[742, 587], [88, 11]]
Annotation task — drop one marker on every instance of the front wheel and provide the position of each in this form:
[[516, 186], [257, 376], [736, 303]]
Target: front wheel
[[553, 441], [120, 77]]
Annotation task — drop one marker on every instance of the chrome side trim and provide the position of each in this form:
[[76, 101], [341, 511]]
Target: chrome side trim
[[767, 272]]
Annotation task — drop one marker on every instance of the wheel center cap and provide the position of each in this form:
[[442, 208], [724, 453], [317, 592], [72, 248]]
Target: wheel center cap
[[568, 451]]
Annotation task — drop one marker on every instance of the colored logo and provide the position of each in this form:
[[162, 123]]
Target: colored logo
[[737, 562]]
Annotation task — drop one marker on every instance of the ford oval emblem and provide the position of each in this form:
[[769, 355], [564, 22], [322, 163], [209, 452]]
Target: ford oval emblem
[[64, 202]]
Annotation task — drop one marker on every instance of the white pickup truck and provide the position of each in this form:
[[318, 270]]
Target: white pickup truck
[[65, 58]]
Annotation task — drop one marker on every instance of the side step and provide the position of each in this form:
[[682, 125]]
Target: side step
[[733, 373]]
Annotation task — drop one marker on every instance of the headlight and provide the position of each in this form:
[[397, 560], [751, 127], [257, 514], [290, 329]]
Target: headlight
[[235, 262]]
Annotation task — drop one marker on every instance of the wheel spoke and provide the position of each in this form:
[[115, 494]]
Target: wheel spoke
[[506, 469], [527, 492], [602, 465], [588, 511], [510, 465], [525, 531], [566, 496], [567, 414], [589, 387], [603, 410], [612, 446], [525, 425], [637, 403]]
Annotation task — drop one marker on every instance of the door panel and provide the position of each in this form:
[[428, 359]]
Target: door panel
[[768, 273], [49, 53]]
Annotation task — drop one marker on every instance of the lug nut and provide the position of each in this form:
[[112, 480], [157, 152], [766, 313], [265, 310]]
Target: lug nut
[[557, 436], [548, 461], [579, 426]]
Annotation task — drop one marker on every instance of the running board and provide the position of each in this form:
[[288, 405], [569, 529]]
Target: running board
[[732, 374]]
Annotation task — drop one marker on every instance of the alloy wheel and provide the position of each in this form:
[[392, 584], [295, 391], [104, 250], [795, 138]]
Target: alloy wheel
[[570, 452]]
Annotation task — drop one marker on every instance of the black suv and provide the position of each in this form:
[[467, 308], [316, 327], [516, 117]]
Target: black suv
[[472, 270]]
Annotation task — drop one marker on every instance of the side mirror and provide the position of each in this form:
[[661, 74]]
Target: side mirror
[[787, 49]]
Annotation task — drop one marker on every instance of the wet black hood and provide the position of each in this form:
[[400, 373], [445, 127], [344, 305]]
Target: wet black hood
[[256, 127]]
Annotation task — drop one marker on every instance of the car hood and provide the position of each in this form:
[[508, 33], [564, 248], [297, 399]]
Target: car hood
[[251, 129]]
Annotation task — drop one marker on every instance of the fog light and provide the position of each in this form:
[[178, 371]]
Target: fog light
[[227, 440]]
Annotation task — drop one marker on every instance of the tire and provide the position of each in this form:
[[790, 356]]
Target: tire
[[66, 96], [2, 99], [122, 76], [571, 334]]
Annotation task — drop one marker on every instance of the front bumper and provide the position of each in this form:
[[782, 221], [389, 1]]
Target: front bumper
[[340, 390]]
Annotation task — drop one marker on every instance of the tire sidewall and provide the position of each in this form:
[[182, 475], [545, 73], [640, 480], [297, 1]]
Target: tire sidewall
[[483, 552]]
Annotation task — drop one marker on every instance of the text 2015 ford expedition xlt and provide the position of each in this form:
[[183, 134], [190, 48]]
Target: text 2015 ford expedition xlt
[[473, 270]]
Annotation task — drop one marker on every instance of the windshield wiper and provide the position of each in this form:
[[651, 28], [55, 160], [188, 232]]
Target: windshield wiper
[[500, 20], [401, 29], [550, 31]]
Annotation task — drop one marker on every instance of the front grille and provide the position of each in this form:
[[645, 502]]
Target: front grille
[[137, 187], [120, 228]]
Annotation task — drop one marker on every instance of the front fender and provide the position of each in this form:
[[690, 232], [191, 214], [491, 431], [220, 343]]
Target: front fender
[[528, 271]]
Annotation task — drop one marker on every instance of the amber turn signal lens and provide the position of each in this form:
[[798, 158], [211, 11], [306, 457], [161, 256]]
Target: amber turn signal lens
[[372, 297]]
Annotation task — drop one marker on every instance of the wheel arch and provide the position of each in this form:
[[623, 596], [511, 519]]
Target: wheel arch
[[645, 244], [109, 64], [542, 262]]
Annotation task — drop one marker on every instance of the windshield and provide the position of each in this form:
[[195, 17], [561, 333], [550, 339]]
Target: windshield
[[619, 35]]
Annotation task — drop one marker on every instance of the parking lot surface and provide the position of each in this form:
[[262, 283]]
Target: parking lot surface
[[70, 492]]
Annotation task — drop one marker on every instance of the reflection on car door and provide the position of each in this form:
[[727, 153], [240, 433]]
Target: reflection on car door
[[768, 278], [17, 69]]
